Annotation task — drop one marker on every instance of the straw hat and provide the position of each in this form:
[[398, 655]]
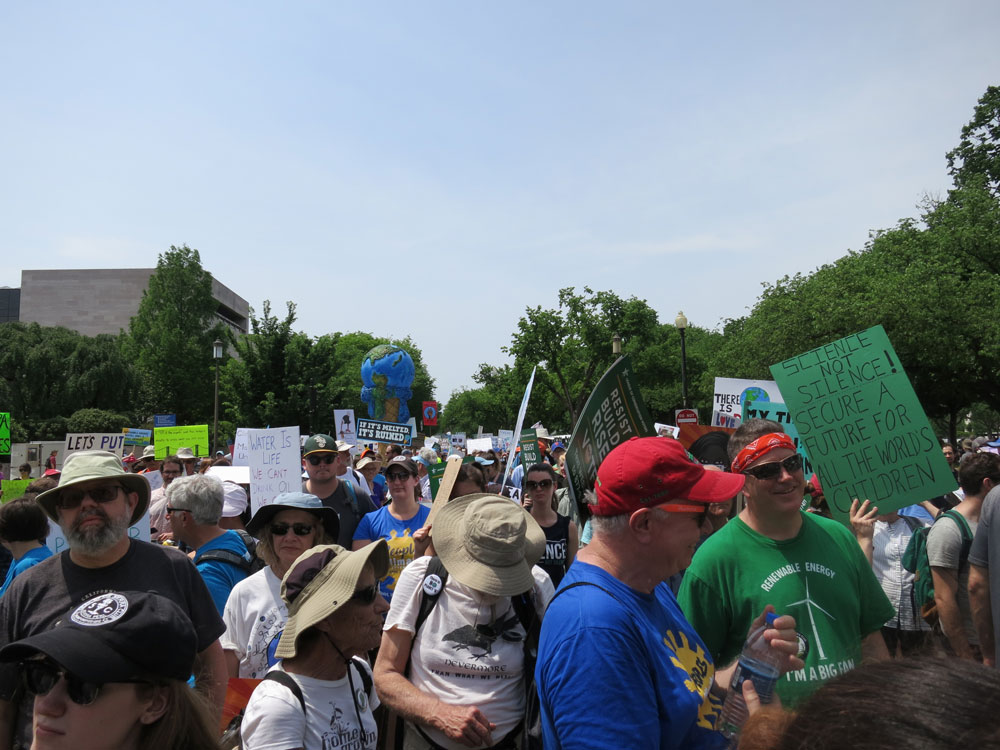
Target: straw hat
[[85, 466], [321, 581], [488, 543]]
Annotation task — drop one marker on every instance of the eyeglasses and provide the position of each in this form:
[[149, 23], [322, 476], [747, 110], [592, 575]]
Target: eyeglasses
[[300, 529], [71, 498], [41, 676], [772, 469], [170, 472], [175, 510], [542, 485], [326, 458], [397, 476], [366, 596]]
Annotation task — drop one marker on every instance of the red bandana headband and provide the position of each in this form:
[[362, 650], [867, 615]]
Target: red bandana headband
[[760, 446]]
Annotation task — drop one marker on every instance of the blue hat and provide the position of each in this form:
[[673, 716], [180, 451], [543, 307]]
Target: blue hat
[[295, 501], [484, 461]]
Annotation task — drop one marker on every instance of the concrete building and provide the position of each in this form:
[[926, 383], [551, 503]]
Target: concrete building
[[99, 300]]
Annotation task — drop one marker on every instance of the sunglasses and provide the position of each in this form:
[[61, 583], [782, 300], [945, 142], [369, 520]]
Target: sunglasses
[[542, 485], [300, 529], [397, 476], [326, 458], [70, 498], [772, 470], [41, 676], [366, 596]]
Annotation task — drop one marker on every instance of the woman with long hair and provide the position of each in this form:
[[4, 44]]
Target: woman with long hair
[[561, 536]]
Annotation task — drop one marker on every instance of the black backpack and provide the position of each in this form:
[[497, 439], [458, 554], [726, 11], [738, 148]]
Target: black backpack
[[531, 726], [248, 563]]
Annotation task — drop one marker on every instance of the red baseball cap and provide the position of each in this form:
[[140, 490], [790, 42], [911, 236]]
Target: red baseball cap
[[653, 471]]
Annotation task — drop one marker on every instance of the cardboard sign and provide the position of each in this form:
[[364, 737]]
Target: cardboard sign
[[168, 440], [56, 540], [13, 488], [729, 395], [137, 436], [275, 464], [479, 444], [860, 420], [374, 431], [614, 412], [442, 493], [345, 426], [778, 412], [436, 471], [531, 454], [95, 441], [4, 433], [522, 410], [241, 454]]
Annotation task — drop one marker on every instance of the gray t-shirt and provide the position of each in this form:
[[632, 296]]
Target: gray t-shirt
[[987, 541], [944, 550]]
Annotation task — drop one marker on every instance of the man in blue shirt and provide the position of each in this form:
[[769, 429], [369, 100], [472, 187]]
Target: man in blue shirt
[[194, 505]]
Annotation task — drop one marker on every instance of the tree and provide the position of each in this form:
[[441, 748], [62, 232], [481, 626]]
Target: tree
[[170, 338], [96, 420], [978, 151]]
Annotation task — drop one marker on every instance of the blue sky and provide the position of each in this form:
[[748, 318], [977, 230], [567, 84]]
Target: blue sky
[[430, 169]]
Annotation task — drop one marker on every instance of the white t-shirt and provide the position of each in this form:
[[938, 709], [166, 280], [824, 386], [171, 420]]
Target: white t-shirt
[[255, 615], [455, 662], [274, 718]]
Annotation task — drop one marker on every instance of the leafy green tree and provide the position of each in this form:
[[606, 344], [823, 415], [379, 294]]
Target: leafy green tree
[[96, 420], [170, 338], [978, 151]]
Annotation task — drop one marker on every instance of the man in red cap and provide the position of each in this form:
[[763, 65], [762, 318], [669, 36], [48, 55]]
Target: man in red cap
[[773, 552], [617, 662]]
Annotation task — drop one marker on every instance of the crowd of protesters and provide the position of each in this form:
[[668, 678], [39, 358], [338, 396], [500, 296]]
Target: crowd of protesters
[[510, 616]]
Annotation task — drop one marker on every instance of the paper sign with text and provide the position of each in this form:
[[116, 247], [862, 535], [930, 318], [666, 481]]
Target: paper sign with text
[[13, 488], [614, 412], [169, 439], [345, 425], [375, 431], [95, 441], [531, 454], [479, 444], [241, 454], [4, 433], [275, 464], [505, 438], [137, 436], [859, 418], [729, 396], [155, 479]]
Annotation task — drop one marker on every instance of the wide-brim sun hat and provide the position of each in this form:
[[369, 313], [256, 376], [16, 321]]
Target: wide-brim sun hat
[[295, 501], [322, 580], [86, 466], [488, 543]]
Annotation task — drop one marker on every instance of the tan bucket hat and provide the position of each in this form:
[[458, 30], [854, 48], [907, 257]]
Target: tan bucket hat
[[322, 580], [85, 466], [488, 543]]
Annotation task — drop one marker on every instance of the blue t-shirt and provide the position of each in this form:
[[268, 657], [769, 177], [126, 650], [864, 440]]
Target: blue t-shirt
[[220, 576], [631, 652], [29, 558], [378, 490], [380, 524]]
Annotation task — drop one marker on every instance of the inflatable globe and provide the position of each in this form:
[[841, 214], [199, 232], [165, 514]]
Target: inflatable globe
[[387, 373]]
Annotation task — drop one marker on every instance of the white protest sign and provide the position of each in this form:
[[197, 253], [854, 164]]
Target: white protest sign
[[505, 438], [56, 540], [241, 454], [479, 444], [458, 440], [275, 463], [727, 406], [155, 479], [520, 423], [345, 426], [666, 430], [234, 474], [95, 441]]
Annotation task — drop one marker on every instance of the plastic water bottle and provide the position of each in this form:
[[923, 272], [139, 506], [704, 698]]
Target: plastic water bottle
[[759, 664]]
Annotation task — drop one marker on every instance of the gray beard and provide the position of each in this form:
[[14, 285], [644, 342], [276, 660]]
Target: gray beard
[[94, 541]]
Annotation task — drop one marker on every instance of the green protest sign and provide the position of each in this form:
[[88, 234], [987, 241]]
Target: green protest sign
[[168, 439], [13, 488], [436, 471], [614, 412], [4, 433], [531, 454], [859, 418]]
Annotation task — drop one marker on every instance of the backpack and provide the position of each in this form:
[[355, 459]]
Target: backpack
[[248, 563], [232, 738], [531, 727], [915, 560]]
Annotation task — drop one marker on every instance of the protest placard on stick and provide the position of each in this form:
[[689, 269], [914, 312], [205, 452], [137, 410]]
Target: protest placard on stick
[[12, 489], [95, 441], [862, 424], [167, 440], [275, 464], [375, 431], [614, 412], [531, 454], [452, 466]]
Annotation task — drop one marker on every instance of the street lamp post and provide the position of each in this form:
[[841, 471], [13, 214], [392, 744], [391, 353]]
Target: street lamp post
[[682, 323], [217, 356]]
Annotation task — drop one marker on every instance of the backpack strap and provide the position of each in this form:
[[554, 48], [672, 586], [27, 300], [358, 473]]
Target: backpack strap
[[227, 556], [349, 486], [913, 523], [359, 665], [963, 527], [286, 680], [428, 600]]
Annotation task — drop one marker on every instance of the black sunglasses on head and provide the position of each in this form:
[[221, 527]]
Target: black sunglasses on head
[[772, 469], [325, 458]]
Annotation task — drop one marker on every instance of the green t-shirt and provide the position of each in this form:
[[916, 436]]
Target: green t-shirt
[[820, 577]]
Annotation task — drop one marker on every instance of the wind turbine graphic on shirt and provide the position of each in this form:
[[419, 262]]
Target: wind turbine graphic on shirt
[[812, 620]]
